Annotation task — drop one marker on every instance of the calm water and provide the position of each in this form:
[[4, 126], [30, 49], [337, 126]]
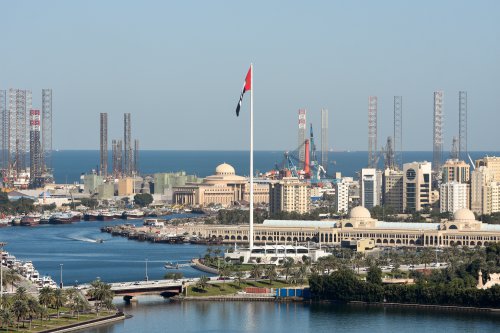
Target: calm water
[[155, 315], [69, 164], [74, 246]]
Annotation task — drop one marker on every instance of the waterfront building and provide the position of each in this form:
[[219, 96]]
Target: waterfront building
[[481, 177], [165, 181], [392, 189], [369, 187], [289, 195], [224, 188], [417, 186], [106, 191], [455, 170], [126, 186], [91, 182], [492, 163], [342, 197], [462, 230], [453, 196]]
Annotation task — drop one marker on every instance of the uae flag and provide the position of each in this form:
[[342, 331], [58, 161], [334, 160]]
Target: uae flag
[[247, 85]]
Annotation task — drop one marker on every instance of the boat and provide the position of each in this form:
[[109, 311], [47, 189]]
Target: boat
[[155, 222], [99, 240], [45, 218], [91, 215], [29, 221], [134, 214], [118, 215], [75, 216], [16, 220], [61, 218], [5, 222], [105, 216]]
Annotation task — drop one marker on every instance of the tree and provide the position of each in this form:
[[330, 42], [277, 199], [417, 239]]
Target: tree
[[46, 297], [287, 266], [7, 317], [20, 310], [202, 282], [33, 308], [59, 299], [256, 272], [239, 275], [271, 273], [143, 199], [10, 278], [100, 292], [374, 275]]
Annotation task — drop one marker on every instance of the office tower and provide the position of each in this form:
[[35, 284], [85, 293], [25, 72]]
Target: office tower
[[392, 189], [417, 186], [369, 188]]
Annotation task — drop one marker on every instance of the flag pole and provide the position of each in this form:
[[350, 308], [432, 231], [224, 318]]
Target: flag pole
[[250, 236]]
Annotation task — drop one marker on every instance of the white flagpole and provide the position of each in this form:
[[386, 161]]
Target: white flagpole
[[250, 236]]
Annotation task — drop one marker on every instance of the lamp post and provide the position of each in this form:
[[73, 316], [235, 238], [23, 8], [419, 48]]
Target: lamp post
[[61, 283], [147, 279], [2, 244]]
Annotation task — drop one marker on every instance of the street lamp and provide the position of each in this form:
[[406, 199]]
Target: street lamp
[[147, 279], [2, 244], [61, 283]]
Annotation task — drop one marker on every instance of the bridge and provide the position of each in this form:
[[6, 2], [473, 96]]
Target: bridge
[[165, 288]]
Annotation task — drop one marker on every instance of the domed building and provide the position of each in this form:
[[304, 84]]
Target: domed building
[[223, 188]]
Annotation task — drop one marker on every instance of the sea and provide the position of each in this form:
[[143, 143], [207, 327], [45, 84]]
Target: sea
[[69, 165]]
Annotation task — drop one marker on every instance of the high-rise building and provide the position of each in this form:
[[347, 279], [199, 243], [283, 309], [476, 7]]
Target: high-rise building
[[369, 188], [127, 142], [103, 166], [493, 164], [417, 186], [324, 139], [438, 132], [342, 197], [481, 177], [36, 163], [491, 198], [453, 196], [302, 137], [392, 190], [289, 195], [455, 170]]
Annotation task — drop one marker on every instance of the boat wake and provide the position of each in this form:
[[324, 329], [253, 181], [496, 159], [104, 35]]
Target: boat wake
[[84, 239]]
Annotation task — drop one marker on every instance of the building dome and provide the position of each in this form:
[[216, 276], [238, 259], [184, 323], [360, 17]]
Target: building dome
[[463, 215], [360, 212], [224, 169]]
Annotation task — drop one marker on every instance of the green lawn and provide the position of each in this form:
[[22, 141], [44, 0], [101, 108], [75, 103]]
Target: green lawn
[[232, 287], [64, 320]]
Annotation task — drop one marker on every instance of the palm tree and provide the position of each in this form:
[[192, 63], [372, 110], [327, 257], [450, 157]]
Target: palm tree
[[79, 305], [101, 293], [271, 273], [224, 272], [239, 275], [256, 271], [202, 282], [19, 310], [11, 277], [287, 267], [59, 300], [21, 294], [72, 295], [33, 308], [6, 317]]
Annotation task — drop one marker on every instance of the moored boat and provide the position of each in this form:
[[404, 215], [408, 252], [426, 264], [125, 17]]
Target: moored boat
[[29, 221], [134, 214]]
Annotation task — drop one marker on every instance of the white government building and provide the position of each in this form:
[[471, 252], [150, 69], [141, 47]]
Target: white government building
[[464, 229]]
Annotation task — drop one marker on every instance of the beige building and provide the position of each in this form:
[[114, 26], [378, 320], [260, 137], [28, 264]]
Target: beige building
[[417, 180], [392, 189], [491, 198], [481, 177], [462, 230], [289, 195], [492, 163], [125, 186], [224, 188], [456, 171]]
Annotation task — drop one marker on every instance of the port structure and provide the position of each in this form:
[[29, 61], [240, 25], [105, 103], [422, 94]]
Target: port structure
[[437, 156], [127, 145], [4, 132], [136, 156], [398, 132], [46, 123], [36, 159], [462, 125], [103, 164], [324, 139], [117, 150], [302, 121], [372, 132]]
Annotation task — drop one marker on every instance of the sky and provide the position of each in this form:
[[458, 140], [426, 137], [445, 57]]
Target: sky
[[178, 68]]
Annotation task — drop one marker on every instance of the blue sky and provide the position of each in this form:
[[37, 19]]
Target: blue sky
[[178, 67]]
